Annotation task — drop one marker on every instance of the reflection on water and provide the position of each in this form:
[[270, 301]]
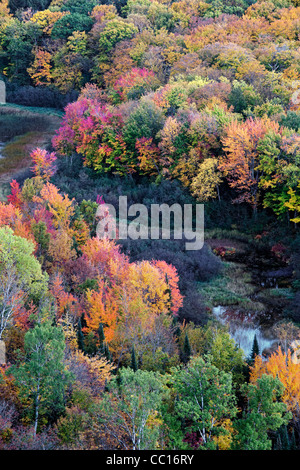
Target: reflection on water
[[242, 330]]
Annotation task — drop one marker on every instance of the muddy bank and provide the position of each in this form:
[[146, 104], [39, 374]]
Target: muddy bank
[[243, 328], [268, 287]]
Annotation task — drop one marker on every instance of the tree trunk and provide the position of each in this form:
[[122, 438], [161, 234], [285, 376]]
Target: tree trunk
[[37, 402]]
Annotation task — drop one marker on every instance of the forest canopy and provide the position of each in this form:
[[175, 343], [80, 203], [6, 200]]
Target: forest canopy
[[107, 341]]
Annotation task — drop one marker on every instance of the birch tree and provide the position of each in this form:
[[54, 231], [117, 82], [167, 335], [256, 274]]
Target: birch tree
[[42, 378], [20, 275], [205, 399], [131, 410]]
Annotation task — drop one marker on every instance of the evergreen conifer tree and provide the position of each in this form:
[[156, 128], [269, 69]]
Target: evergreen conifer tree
[[255, 349], [107, 353], [187, 349]]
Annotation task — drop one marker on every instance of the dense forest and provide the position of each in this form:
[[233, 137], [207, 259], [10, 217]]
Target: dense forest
[[139, 344]]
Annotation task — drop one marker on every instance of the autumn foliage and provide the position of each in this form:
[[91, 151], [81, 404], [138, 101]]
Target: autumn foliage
[[281, 365], [112, 344]]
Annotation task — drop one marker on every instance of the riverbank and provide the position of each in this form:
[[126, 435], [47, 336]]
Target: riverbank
[[252, 294], [22, 129]]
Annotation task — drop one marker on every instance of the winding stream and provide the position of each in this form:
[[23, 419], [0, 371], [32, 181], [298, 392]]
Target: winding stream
[[267, 273], [243, 331]]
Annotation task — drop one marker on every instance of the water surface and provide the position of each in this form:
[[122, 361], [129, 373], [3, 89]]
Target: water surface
[[243, 330]]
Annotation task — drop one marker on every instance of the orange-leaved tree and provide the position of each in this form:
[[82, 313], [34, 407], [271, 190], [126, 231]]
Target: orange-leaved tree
[[170, 276], [281, 365], [43, 163], [60, 206], [240, 162], [40, 70], [104, 255], [65, 301], [102, 309]]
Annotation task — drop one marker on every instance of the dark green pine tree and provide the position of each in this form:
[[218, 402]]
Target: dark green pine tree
[[134, 364], [106, 388], [285, 441], [187, 349], [107, 353], [255, 350], [293, 445]]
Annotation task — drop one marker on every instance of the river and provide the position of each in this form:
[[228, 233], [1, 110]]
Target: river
[[243, 330], [268, 273]]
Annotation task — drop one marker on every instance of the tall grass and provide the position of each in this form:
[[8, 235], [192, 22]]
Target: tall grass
[[231, 287], [22, 129], [32, 109], [15, 122], [15, 151]]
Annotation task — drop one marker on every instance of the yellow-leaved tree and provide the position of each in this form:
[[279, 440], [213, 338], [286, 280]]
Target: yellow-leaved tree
[[206, 183], [281, 365]]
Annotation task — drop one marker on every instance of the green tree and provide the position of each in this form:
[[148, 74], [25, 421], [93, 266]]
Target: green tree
[[88, 210], [17, 41], [160, 16], [115, 31], [134, 363], [131, 408], [77, 6], [265, 412], [243, 97], [279, 165], [254, 350], [42, 378], [227, 356], [186, 348], [21, 275], [101, 337], [65, 26], [205, 399], [285, 440], [80, 336], [107, 352], [291, 120], [144, 122], [42, 237]]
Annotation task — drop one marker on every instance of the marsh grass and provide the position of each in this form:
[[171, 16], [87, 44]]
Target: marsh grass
[[233, 234], [22, 130], [284, 292], [16, 151], [232, 287], [16, 122], [32, 109], [216, 293]]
